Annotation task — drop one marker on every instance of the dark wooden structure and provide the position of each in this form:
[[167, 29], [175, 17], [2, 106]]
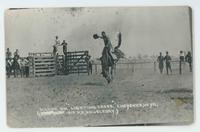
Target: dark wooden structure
[[76, 62]]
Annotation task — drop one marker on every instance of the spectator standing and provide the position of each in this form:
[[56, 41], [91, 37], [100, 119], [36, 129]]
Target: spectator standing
[[160, 61], [168, 59], [188, 58]]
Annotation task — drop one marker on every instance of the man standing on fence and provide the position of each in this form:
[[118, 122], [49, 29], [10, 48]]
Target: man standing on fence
[[55, 46], [188, 58], [160, 61], [55, 52], [168, 59], [64, 44]]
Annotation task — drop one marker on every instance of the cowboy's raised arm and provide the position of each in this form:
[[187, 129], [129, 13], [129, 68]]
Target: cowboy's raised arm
[[95, 36]]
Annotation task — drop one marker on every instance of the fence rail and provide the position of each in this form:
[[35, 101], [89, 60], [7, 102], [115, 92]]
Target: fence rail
[[134, 66]]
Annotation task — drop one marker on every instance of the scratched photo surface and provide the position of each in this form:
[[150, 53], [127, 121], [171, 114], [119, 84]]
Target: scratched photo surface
[[99, 66]]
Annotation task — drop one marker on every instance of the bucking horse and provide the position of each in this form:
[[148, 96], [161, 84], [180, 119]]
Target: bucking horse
[[110, 55]]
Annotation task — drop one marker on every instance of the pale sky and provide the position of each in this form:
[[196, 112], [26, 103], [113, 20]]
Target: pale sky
[[145, 30]]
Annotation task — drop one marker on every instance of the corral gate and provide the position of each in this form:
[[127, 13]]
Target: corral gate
[[76, 62], [43, 64]]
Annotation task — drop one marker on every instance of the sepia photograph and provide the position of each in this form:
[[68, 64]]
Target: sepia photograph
[[99, 66]]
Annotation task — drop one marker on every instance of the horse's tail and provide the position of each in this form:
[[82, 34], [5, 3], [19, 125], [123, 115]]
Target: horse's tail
[[119, 41], [119, 54]]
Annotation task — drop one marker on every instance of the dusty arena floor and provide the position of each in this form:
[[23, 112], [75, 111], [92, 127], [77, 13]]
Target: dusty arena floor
[[171, 94]]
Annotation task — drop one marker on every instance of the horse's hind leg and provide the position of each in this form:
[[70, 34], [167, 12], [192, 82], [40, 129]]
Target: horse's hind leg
[[107, 74]]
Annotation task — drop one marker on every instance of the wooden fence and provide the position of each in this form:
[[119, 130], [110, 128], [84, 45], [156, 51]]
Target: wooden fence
[[135, 66], [42, 64], [46, 64]]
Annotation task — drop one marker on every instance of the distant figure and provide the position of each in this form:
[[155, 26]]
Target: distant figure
[[168, 59], [55, 46], [64, 44], [8, 54], [188, 58], [160, 61], [181, 57], [16, 54]]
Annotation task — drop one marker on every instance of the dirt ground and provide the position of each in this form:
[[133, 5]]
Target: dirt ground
[[172, 93]]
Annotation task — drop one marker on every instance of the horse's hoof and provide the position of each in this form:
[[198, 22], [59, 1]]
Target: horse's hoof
[[109, 81]]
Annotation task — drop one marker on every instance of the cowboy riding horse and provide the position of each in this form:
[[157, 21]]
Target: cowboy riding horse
[[109, 56]]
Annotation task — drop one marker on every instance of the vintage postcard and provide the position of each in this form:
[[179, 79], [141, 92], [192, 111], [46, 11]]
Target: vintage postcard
[[99, 66]]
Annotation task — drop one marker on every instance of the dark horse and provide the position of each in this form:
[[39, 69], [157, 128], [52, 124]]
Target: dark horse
[[8, 67], [16, 66], [109, 56]]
